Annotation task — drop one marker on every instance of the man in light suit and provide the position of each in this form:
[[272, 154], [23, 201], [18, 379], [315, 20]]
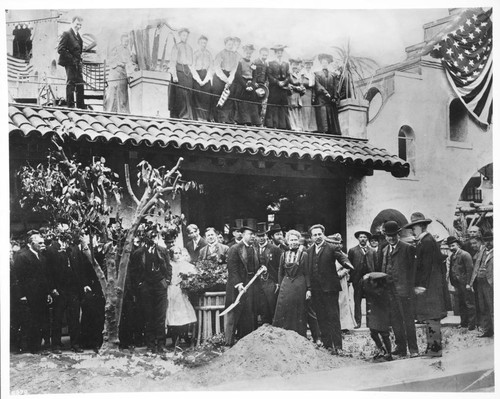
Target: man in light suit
[[325, 286], [70, 57], [242, 264], [196, 242], [363, 258], [214, 250]]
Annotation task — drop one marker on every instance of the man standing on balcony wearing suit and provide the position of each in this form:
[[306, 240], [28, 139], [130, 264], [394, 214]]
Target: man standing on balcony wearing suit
[[70, 57]]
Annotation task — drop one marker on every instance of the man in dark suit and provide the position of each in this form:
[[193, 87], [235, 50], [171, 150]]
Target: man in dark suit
[[269, 256], [483, 273], [363, 259], [70, 57], [260, 73], [432, 298], [327, 96], [242, 264], [214, 250], [398, 263], [325, 286], [461, 269], [196, 242], [34, 288], [68, 283]]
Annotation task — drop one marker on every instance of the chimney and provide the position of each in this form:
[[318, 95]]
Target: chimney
[[149, 93]]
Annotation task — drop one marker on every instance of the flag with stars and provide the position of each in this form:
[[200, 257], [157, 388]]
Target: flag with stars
[[466, 55]]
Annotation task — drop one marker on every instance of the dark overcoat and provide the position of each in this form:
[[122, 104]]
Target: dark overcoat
[[402, 274], [70, 49], [32, 278], [356, 257], [430, 274]]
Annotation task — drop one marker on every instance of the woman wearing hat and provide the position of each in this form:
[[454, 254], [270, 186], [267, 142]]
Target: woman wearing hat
[[308, 114], [202, 77], [247, 109], [295, 95], [326, 93], [278, 72], [294, 282], [225, 65]]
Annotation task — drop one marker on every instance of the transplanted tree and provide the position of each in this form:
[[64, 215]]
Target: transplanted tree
[[65, 189]]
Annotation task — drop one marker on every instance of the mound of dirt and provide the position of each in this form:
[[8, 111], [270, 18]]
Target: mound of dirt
[[271, 351]]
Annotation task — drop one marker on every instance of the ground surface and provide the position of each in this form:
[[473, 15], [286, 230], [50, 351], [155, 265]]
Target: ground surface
[[267, 352]]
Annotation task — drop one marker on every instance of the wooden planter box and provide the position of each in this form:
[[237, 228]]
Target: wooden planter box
[[210, 305]]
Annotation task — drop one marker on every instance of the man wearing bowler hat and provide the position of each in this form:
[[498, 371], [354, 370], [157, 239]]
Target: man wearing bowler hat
[[363, 258], [242, 264], [430, 282], [461, 269], [275, 233], [269, 256], [398, 263]]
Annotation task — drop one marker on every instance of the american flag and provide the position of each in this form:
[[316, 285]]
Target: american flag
[[466, 54]]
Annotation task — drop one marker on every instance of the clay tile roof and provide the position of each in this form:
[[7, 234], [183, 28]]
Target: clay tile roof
[[193, 135]]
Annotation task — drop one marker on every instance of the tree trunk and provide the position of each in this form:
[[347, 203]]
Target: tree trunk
[[111, 331]]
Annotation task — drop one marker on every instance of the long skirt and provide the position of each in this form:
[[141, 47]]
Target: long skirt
[[346, 305], [179, 311], [247, 109], [295, 103], [308, 113], [327, 118], [291, 306], [224, 114], [116, 94], [180, 96], [277, 112], [202, 101]]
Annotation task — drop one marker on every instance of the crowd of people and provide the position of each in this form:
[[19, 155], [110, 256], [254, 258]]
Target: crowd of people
[[305, 281], [232, 87]]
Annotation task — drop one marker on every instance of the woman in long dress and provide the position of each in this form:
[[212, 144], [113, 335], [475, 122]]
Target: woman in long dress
[[180, 312], [278, 73], [308, 112], [295, 96], [293, 281]]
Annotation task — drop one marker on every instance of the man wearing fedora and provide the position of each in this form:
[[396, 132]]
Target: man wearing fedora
[[325, 286], [275, 233], [363, 258], [398, 263], [242, 264], [269, 256], [431, 300], [461, 269]]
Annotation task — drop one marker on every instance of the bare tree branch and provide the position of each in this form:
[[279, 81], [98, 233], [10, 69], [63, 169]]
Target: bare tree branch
[[129, 186]]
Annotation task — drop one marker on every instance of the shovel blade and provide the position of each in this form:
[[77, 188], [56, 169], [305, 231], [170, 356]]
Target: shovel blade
[[230, 307]]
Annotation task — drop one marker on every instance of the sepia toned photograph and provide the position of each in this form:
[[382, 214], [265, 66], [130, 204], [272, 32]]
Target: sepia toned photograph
[[249, 199]]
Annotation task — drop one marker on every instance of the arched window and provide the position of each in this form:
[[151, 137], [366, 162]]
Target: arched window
[[406, 146], [458, 121], [374, 97]]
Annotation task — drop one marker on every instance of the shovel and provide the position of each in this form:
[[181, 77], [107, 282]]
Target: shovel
[[261, 270]]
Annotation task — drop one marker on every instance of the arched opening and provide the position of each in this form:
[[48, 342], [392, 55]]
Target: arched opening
[[458, 121], [406, 146], [374, 97]]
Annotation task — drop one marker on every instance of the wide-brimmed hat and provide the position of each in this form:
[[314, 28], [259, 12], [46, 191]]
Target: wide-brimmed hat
[[366, 233], [183, 30], [261, 230], [308, 61], [451, 239], [296, 60], [417, 218], [244, 228], [391, 228], [249, 47], [376, 275], [261, 91], [278, 47], [325, 57], [275, 228]]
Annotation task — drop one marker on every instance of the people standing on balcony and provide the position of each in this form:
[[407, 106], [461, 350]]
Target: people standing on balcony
[[181, 66], [278, 72], [247, 109], [70, 57], [308, 113], [202, 80], [296, 91], [225, 65], [121, 64], [327, 97]]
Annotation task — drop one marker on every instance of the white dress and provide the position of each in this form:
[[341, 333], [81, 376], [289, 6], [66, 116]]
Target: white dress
[[346, 303], [179, 310]]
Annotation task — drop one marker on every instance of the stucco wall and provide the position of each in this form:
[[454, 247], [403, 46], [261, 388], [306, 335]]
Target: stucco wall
[[442, 167]]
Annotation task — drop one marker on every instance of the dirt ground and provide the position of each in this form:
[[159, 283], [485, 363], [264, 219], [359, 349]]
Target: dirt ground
[[266, 352]]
